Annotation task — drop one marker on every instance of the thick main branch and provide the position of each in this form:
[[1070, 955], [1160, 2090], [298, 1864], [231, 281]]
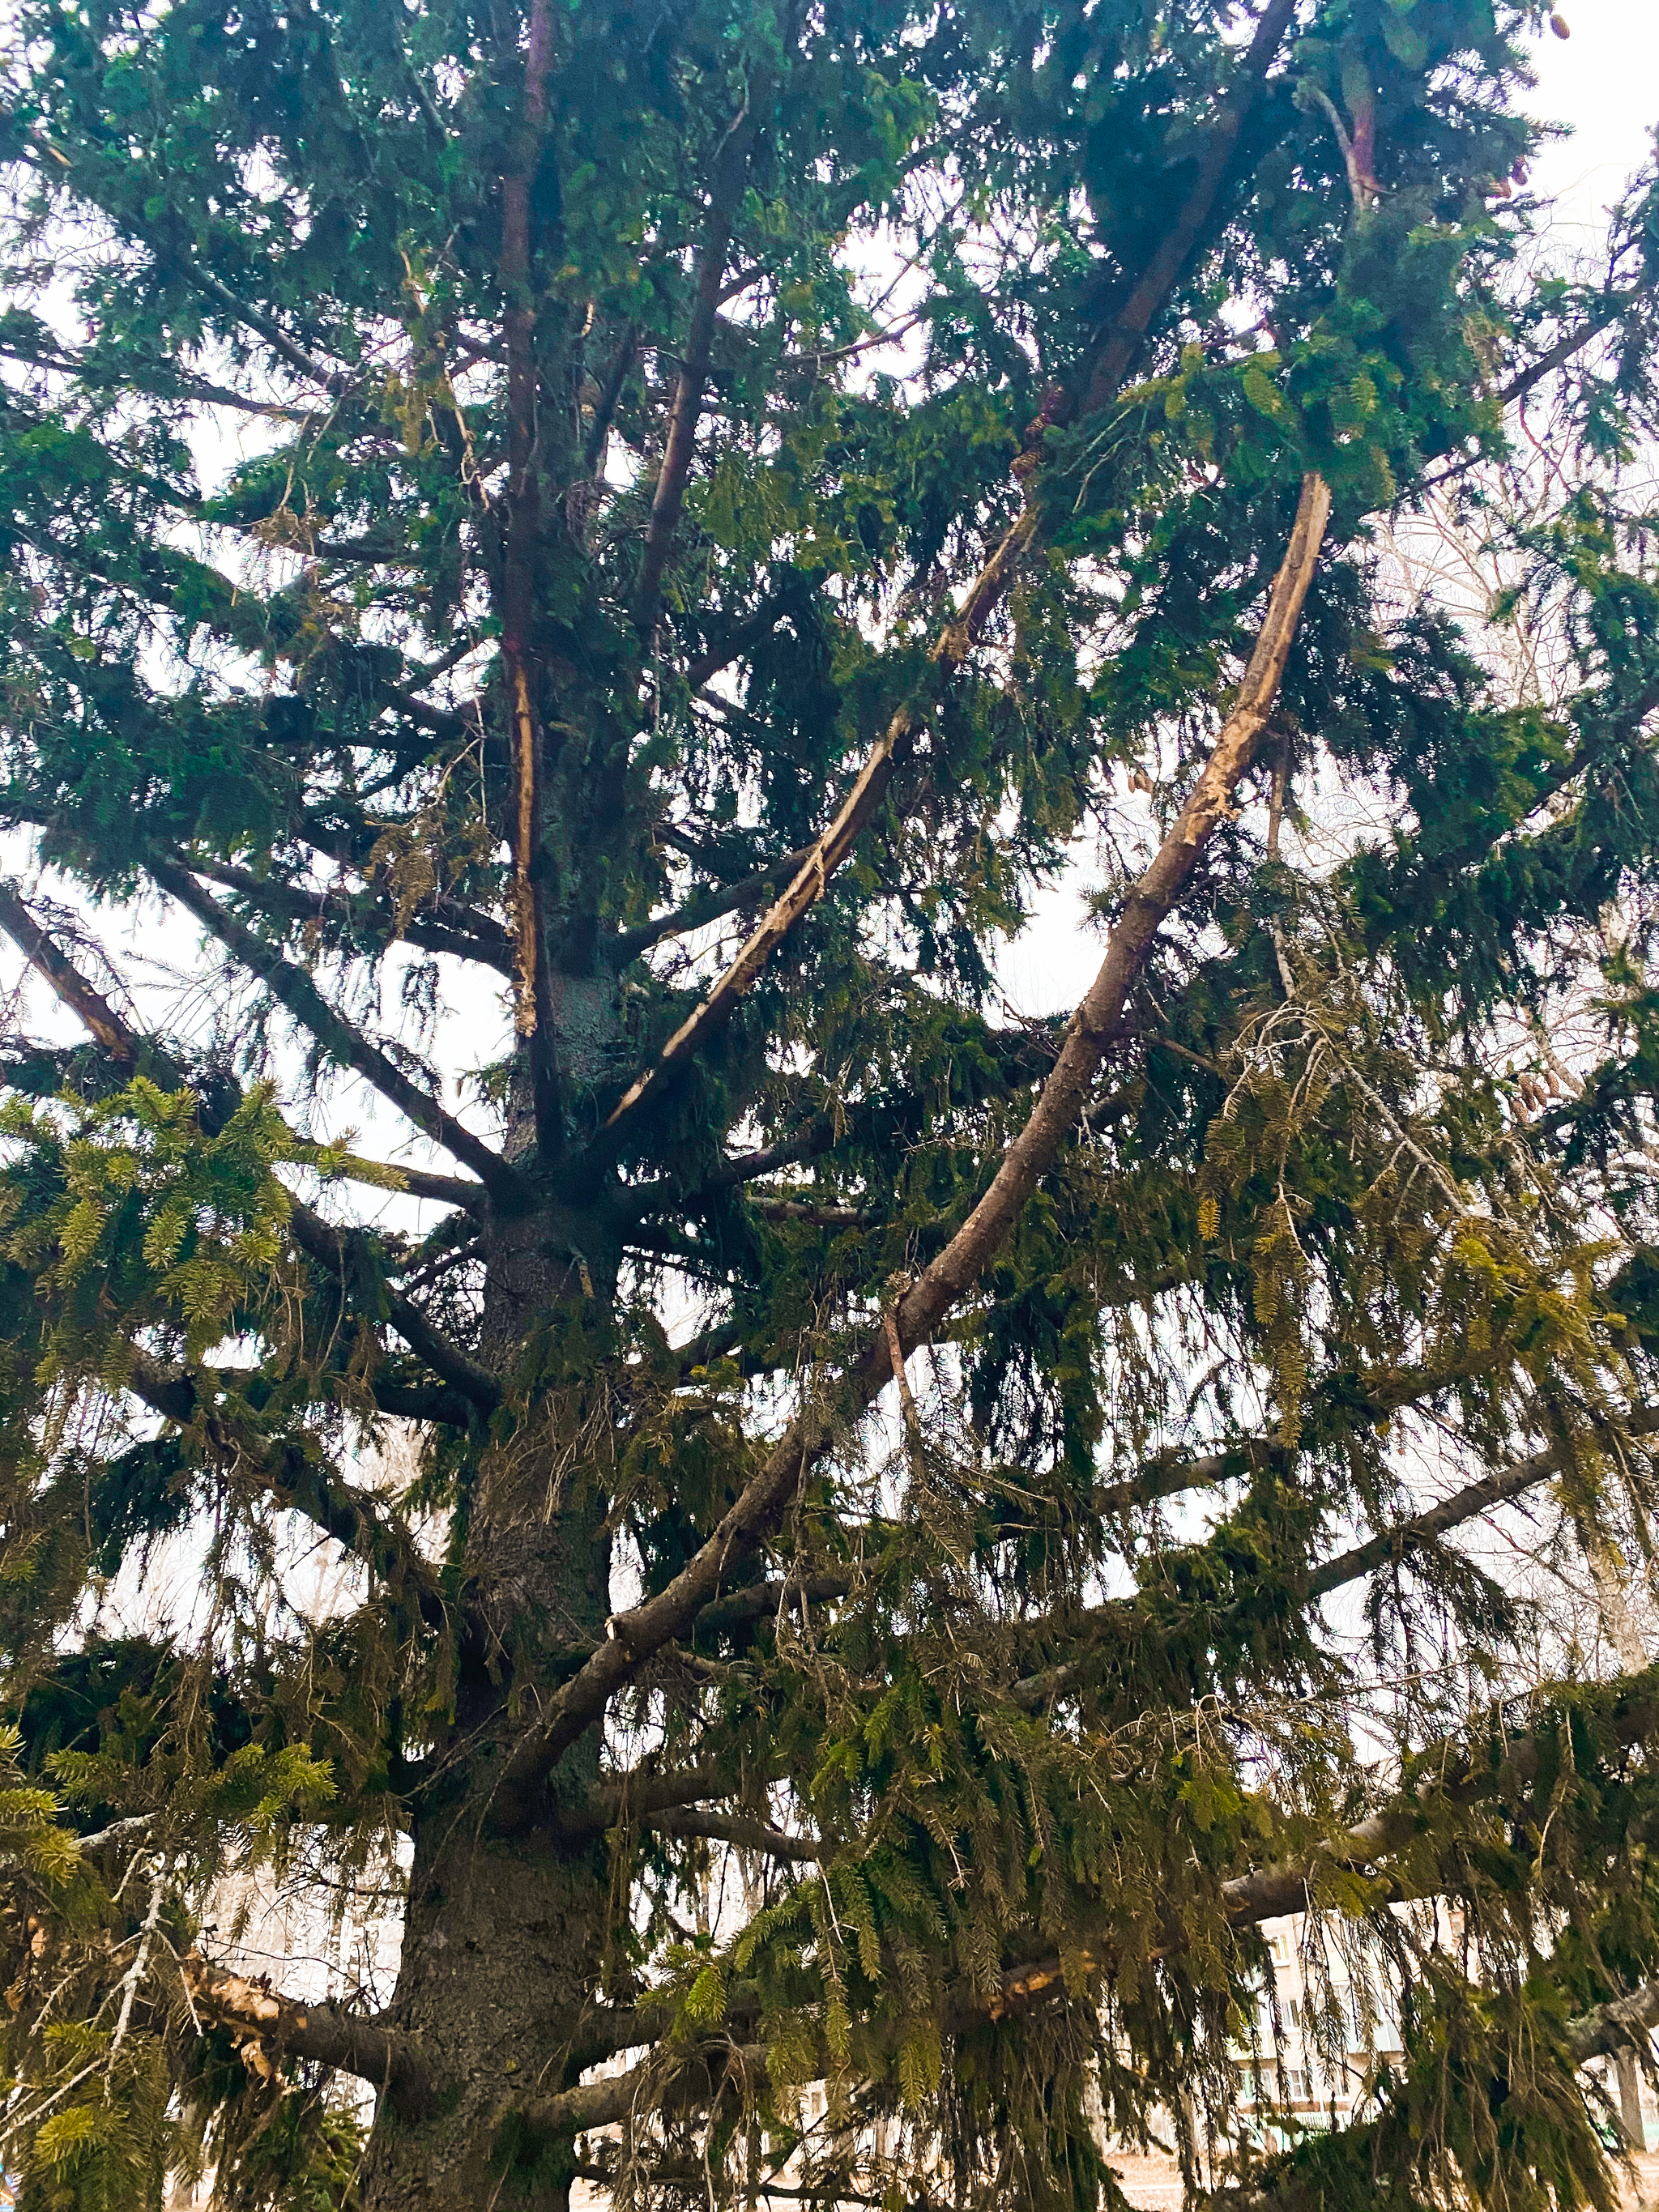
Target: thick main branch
[[635, 1636]]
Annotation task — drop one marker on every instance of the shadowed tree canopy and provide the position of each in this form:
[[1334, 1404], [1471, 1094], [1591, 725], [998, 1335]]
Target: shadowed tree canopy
[[572, 573]]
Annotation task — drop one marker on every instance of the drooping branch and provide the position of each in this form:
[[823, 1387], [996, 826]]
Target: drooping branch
[[162, 377], [633, 1636], [300, 1481], [1454, 1775], [1123, 338], [667, 2082], [475, 936], [643, 1798], [817, 1217], [807, 886], [743, 636], [1394, 1545], [44, 954], [293, 987], [818, 1137], [1569, 343], [131, 1052], [331, 1246], [252, 318]]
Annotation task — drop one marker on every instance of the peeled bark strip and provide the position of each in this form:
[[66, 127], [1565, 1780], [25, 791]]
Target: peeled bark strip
[[520, 548]]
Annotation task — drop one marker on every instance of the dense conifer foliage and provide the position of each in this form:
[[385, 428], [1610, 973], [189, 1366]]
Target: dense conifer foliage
[[578, 569]]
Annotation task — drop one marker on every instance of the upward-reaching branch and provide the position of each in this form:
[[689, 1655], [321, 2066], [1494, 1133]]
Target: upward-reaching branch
[[633, 1636], [967, 626], [725, 190]]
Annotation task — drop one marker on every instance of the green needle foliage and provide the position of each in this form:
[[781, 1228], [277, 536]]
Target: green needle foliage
[[498, 503]]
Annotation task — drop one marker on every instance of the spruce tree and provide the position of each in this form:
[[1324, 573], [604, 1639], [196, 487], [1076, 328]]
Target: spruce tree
[[597, 560]]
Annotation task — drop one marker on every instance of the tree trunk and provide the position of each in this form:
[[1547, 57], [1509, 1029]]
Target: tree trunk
[[500, 1945], [505, 1930]]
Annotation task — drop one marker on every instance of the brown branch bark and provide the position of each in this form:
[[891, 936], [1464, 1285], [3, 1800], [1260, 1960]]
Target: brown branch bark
[[419, 1183], [743, 636], [725, 190], [328, 1245], [633, 1636], [689, 2080], [263, 2021], [1461, 1777], [642, 1797], [960, 635], [817, 1136], [806, 887], [1570, 343], [818, 1217], [41, 949], [1123, 339], [610, 392]]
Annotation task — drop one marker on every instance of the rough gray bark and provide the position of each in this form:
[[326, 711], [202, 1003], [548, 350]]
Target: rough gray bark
[[505, 1928]]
